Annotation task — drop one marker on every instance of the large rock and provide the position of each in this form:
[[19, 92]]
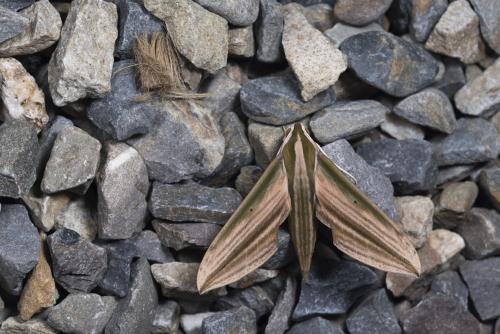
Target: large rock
[[390, 63], [279, 319], [73, 162], [12, 24], [317, 325], [360, 12], [316, 62], [240, 320], [489, 21], [269, 31], [416, 217], [199, 35], [423, 16], [197, 150], [183, 235], [481, 232], [18, 151], [82, 63], [79, 216], [236, 12], [19, 247]]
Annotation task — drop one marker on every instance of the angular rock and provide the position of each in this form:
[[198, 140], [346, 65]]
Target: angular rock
[[316, 63], [285, 253], [14, 325], [474, 140], [241, 42], [236, 12], [409, 164], [374, 55], [452, 79], [481, 232], [276, 100], [447, 244], [319, 15], [489, 21], [257, 276], [193, 202], [340, 31], [317, 325], [135, 312], [148, 245], [454, 201], [449, 283], [12, 24], [166, 318], [240, 320], [360, 12], [423, 16], [429, 107], [279, 319], [78, 216], [73, 162], [256, 298], [184, 235], [269, 30], [45, 208], [47, 138], [401, 129], [78, 264], [199, 35], [347, 120], [18, 150], [489, 181], [457, 34], [416, 217], [265, 141], [246, 179], [223, 94], [81, 313], [20, 94], [43, 31], [197, 150], [119, 259], [19, 247]]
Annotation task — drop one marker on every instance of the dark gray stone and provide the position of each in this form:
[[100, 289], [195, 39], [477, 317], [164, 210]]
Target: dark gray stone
[[11, 24], [438, 314], [135, 312], [247, 178], [374, 55], [193, 202], [269, 31], [489, 21], [276, 100], [81, 313], [78, 265], [240, 320], [121, 113], [166, 319], [183, 235], [340, 31], [279, 319], [117, 276], [18, 150], [19, 247], [16, 5], [474, 140], [236, 12], [148, 245], [489, 181], [399, 15], [347, 120], [285, 253], [409, 164], [360, 12], [370, 180], [255, 298], [481, 232], [449, 283], [223, 94], [47, 138], [423, 16], [316, 325], [453, 77]]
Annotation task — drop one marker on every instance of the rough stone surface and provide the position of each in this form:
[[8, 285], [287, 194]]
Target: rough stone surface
[[241, 320], [489, 21], [257, 298], [45, 208], [198, 34], [183, 235], [166, 318], [19, 247], [47, 138], [265, 141], [416, 214], [78, 216], [82, 63], [236, 12], [247, 178], [423, 16], [445, 243], [360, 12], [340, 31], [191, 323], [316, 62], [401, 129], [390, 63], [279, 320], [148, 246], [347, 120], [13, 325], [489, 181], [454, 201], [73, 162], [452, 79], [285, 253], [257, 276], [481, 232], [12, 24], [241, 42], [449, 283], [119, 259], [317, 325], [223, 94], [269, 31]]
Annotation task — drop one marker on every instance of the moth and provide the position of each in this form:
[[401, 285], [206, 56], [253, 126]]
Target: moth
[[301, 183]]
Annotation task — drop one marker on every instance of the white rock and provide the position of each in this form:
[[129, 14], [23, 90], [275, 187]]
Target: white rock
[[446, 243]]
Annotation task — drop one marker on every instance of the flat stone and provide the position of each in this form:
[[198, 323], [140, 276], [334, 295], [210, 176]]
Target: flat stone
[[276, 100], [14, 325], [315, 61], [135, 312], [166, 318], [78, 216], [148, 245], [269, 31], [481, 95], [454, 201], [409, 164], [489, 181], [240, 320], [449, 283], [119, 259], [429, 107], [375, 315], [474, 140], [401, 129], [81, 66], [198, 34], [389, 63], [265, 141], [285, 253], [47, 139], [241, 42], [481, 232], [191, 323], [223, 94], [456, 34], [13, 24], [236, 12], [197, 150], [81, 313], [193, 202], [489, 19], [78, 264], [340, 31], [18, 150], [121, 113], [317, 325], [73, 162], [43, 31], [21, 96], [360, 12], [423, 16], [247, 178], [183, 235], [19, 247], [279, 319], [347, 120], [44, 208], [416, 214]]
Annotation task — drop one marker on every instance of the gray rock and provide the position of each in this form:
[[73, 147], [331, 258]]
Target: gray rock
[[236, 12], [14, 325], [81, 313], [18, 150], [489, 181], [489, 19], [223, 94], [134, 21], [374, 315], [135, 312], [453, 77], [373, 55], [317, 325], [191, 323], [423, 16], [340, 31], [148, 245], [269, 30], [19, 247], [429, 107], [474, 140], [78, 216], [45, 208], [265, 141], [12, 23], [279, 319], [193, 202], [454, 201], [16, 5], [73, 162], [449, 283], [481, 232], [78, 265], [285, 253], [81, 66], [360, 12], [240, 320], [416, 217], [409, 164], [247, 178], [438, 314], [256, 298], [166, 318], [276, 100], [121, 113], [183, 235], [347, 120], [400, 129], [482, 279], [241, 42], [199, 35], [197, 150], [122, 187], [47, 138]]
